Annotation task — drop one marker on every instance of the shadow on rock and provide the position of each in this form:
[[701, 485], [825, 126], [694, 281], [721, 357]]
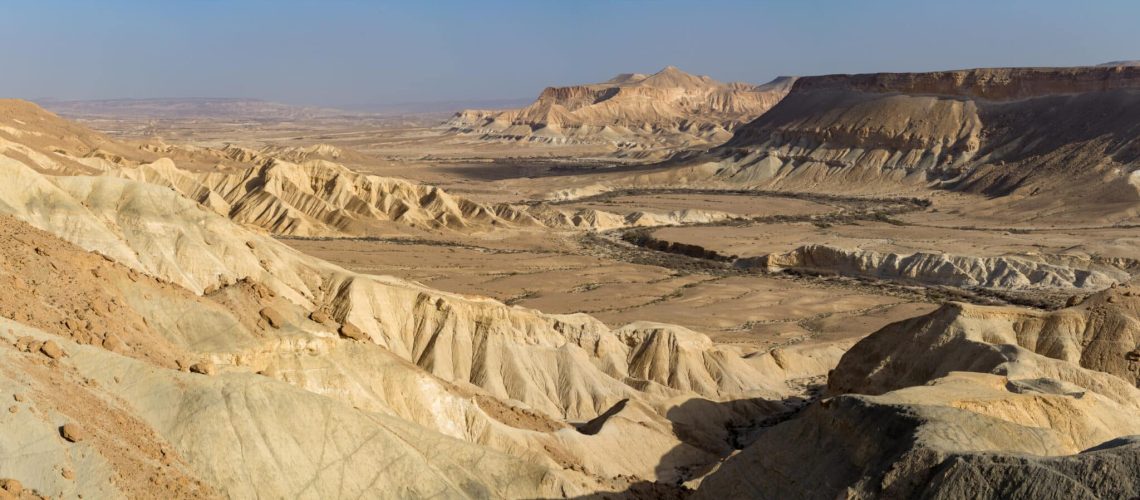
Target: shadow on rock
[[718, 428]]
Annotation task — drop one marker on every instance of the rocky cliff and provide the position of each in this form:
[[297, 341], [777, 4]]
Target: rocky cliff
[[1000, 84], [1050, 138]]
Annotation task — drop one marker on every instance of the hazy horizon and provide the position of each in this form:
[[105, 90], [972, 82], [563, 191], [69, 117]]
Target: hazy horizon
[[353, 54]]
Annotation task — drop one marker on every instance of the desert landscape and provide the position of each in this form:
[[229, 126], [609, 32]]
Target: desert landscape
[[875, 285]]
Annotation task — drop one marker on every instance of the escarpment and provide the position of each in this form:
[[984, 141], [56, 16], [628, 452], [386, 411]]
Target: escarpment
[[986, 83], [1020, 133]]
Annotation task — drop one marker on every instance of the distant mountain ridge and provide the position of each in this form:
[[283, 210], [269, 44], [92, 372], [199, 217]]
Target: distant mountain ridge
[[445, 106], [1134, 62], [190, 107], [670, 108], [253, 109]]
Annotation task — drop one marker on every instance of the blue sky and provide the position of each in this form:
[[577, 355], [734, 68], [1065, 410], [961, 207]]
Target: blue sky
[[348, 52]]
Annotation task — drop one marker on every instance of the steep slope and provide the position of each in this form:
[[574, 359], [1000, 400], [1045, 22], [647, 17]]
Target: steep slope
[[218, 298], [1047, 138], [81, 296], [668, 108], [147, 424], [144, 431], [1000, 402]]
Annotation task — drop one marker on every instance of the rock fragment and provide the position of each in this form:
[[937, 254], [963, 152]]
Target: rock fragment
[[273, 317], [52, 350], [72, 432], [203, 368], [113, 344], [320, 317], [350, 331], [12, 486]]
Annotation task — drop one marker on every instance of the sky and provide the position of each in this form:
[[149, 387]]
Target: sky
[[348, 53]]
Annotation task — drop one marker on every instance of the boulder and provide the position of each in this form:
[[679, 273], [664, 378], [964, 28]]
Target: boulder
[[72, 432], [203, 368], [271, 316], [52, 350], [12, 486], [350, 331]]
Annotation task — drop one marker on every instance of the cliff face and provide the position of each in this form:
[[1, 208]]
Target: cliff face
[[1011, 131], [847, 129], [668, 108], [985, 83]]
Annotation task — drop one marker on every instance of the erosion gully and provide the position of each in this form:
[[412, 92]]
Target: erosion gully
[[639, 246]]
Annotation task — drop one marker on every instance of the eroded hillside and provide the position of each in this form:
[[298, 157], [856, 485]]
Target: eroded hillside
[[769, 319], [1044, 138], [1001, 403], [158, 303]]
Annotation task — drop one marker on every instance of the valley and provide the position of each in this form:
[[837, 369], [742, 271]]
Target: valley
[[883, 285]]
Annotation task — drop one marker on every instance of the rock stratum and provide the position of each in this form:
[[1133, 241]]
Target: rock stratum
[[1043, 139], [670, 108]]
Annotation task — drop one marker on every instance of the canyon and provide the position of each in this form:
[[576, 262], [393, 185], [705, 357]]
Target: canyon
[[661, 286]]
